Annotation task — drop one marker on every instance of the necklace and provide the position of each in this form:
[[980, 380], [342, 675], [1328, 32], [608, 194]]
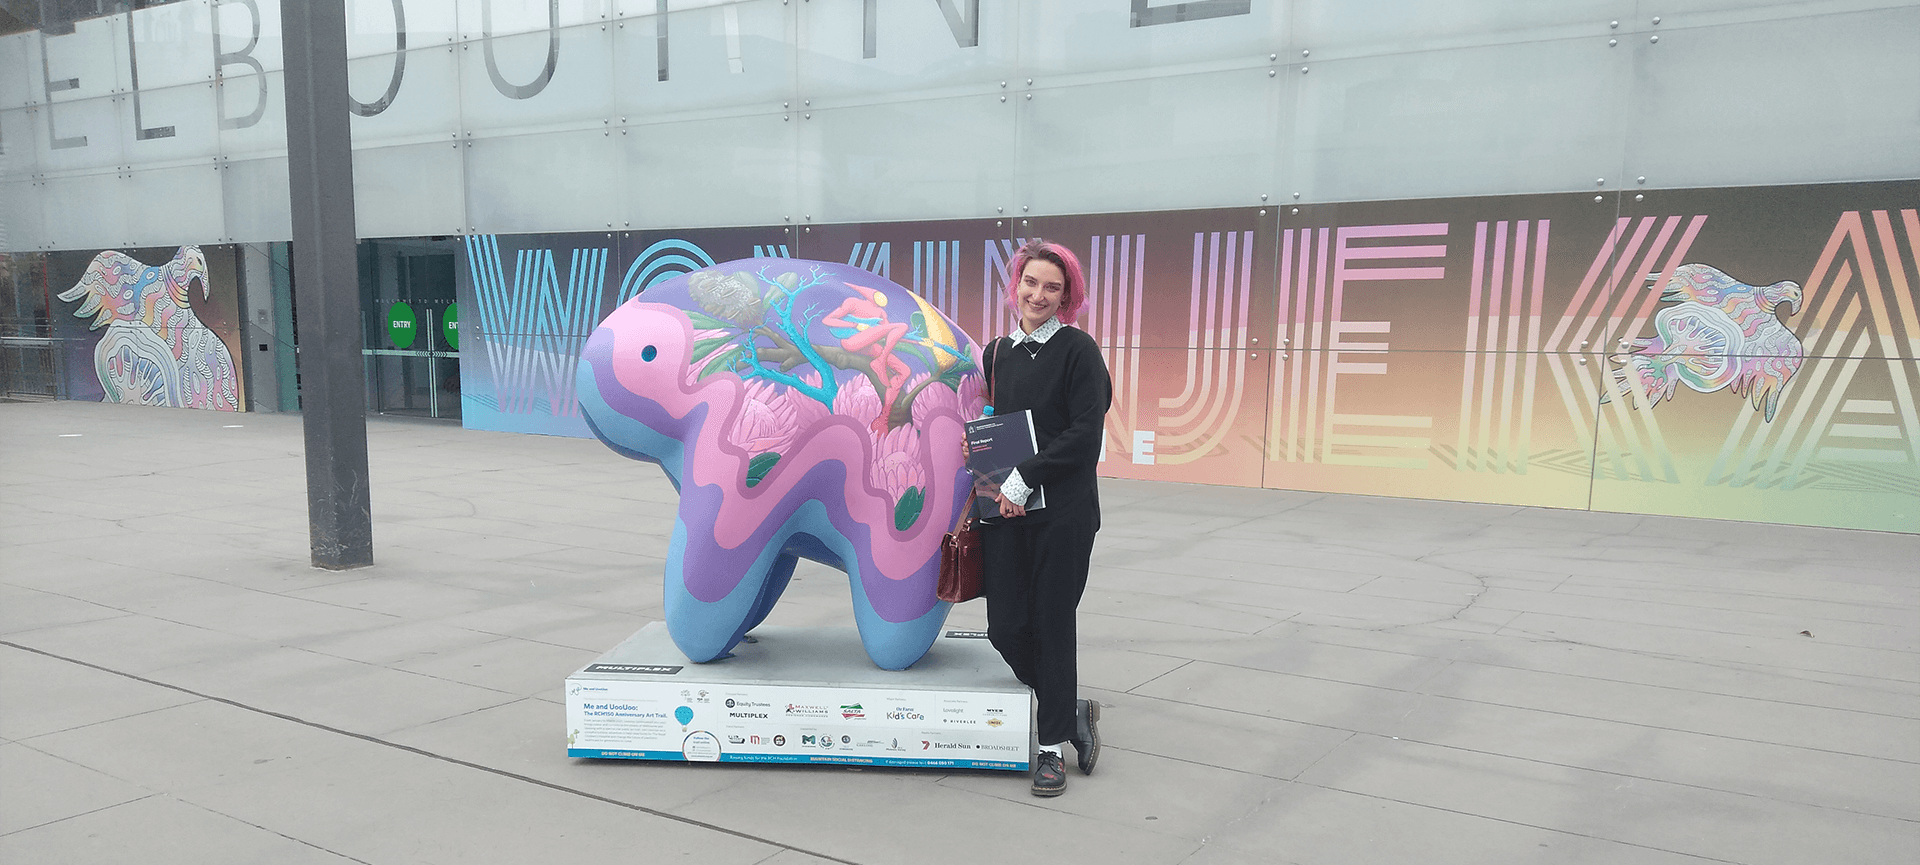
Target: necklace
[[1033, 348]]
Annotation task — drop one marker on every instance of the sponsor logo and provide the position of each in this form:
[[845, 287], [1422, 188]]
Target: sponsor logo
[[826, 742], [904, 713], [755, 740], [895, 746], [807, 711], [779, 741], [643, 669], [808, 739], [746, 704], [953, 710], [729, 702], [964, 722], [853, 712], [924, 744], [995, 711], [747, 715], [994, 722], [949, 746], [998, 747], [846, 740], [737, 740]]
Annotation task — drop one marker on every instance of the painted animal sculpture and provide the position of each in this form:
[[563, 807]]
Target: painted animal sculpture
[[155, 350], [1718, 333], [804, 409]]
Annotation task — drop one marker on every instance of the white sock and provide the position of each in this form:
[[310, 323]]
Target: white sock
[[1053, 749]]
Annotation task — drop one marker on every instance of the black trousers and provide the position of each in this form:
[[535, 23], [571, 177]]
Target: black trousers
[[1034, 575]]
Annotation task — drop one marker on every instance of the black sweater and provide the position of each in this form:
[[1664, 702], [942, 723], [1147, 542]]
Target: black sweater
[[1065, 385]]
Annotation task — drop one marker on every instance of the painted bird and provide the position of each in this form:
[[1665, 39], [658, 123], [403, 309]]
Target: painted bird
[[155, 350], [1718, 333]]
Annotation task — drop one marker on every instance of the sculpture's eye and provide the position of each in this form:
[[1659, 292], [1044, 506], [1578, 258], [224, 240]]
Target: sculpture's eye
[[649, 353]]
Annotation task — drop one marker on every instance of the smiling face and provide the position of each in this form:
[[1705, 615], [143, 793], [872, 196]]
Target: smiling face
[[1042, 289]]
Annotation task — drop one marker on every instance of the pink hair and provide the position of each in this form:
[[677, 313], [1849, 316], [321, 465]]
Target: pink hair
[[1059, 256]]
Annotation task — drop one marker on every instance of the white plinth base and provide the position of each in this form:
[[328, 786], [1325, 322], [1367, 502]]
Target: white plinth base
[[801, 695]]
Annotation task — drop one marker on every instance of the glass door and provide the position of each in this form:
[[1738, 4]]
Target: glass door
[[413, 328]]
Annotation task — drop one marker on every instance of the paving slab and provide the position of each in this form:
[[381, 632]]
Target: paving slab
[[1640, 812], [161, 830], [46, 695], [42, 788]]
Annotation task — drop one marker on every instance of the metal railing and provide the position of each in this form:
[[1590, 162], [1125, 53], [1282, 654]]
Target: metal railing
[[32, 367]]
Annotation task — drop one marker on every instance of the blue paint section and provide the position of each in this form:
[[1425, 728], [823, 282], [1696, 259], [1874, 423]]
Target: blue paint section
[[833, 759]]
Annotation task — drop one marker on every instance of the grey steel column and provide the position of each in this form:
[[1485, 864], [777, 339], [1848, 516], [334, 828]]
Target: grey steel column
[[327, 282]]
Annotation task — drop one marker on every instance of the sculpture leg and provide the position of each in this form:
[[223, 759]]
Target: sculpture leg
[[707, 630], [770, 590], [897, 645]]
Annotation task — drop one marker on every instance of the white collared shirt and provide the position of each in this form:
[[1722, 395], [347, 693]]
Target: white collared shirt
[[1040, 334], [1014, 488]]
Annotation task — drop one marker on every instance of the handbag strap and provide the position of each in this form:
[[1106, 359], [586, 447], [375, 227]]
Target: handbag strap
[[966, 514]]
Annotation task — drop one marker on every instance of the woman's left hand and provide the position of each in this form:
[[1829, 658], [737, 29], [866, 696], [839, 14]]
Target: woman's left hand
[[1007, 508]]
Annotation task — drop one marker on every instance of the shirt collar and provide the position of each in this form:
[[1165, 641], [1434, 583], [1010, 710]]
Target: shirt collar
[[1040, 334]]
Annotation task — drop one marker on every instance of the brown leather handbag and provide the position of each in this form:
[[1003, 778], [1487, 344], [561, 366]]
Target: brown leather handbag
[[960, 561]]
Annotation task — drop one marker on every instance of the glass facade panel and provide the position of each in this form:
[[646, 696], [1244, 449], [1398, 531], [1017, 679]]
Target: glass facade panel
[[255, 193], [1817, 98], [399, 189], [739, 170], [716, 58], [1170, 142], [542, 182], [402, 97], [932, 158], [1518, 117]]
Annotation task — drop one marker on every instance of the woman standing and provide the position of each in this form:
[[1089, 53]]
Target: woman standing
[[1035, 567]]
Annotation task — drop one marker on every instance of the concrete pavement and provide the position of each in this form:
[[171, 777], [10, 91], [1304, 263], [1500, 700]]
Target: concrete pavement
[[1292, 677]]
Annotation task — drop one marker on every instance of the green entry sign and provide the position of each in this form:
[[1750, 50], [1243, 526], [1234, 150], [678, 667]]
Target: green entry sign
[[401, 324], [450, 326]]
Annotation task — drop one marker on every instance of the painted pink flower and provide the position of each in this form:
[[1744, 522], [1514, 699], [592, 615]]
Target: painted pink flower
[[858, 400], [898, 462], [773, 416], [766, 421]]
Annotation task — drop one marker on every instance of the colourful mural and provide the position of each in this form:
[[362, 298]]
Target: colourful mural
[[1719, 333], [804, 410], [1525, 350], [155, 350]]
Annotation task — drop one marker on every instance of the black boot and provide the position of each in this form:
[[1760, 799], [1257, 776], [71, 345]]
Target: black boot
[[1086, 734]]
